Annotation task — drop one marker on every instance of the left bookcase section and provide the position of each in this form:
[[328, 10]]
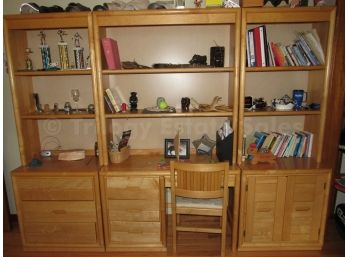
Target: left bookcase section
[[58, 202], [42, 86]]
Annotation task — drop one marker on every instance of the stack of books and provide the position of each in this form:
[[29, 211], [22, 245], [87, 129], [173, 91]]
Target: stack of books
[[111, 104], [295, 144], [305, 51]]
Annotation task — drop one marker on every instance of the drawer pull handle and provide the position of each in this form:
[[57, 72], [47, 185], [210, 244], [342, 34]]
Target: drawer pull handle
[[264, 210], [302, 209], [59, 211]]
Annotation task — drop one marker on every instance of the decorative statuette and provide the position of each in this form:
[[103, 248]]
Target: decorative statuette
[[28, 61], [63, 51], [78, 52], [45, 51], [133, 102]]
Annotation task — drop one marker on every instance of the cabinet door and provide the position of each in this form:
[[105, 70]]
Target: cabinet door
[[264, 209], [305, 203]]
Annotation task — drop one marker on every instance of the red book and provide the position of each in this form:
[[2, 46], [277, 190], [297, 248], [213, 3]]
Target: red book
[[111, 53], [257, 46], [278, 56]]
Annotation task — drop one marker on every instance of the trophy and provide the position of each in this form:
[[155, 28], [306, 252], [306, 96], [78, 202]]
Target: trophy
[[63, 51], [45, 51], [78, 52], [28, 61]]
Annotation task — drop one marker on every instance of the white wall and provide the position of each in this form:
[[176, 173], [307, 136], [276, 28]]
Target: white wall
[[10, 143]]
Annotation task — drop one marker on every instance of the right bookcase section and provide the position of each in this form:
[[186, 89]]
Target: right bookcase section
[[269, 82], [283, 203]]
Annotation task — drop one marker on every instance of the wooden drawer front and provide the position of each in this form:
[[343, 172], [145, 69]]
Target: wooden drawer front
[[135, 232], [57, 188], [266, 189], [133, 188], [60, 233], [133, 210], [71, 211]]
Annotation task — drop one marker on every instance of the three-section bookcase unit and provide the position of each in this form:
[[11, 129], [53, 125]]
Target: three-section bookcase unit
[[282, 205]]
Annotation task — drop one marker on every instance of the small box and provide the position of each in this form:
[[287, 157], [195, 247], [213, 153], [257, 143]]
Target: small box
[[118, 157], [251, 3]]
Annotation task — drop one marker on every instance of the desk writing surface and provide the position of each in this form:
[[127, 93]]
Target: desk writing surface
[[149, 165]]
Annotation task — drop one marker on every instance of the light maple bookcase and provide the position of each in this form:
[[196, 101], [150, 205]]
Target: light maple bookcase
[[58, 204], [120, 202], [149, 37], [284, 205]]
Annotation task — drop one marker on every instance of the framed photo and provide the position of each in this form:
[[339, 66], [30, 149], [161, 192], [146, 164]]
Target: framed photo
[[184, 148]]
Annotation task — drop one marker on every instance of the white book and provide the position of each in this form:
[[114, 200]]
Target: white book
[[262, 43], [252, 49], [314, 44], [112, 99]]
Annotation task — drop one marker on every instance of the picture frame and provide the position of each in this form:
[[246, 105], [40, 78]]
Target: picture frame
[[169, 148]]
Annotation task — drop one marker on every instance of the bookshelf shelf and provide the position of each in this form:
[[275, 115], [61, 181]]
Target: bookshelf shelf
[[140, 114], [165, 70], [285, 68], [280, 113], [53, 73], [45, 116]]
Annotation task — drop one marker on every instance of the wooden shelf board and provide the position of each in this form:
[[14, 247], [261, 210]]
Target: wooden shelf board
[[270, 112], [286, 164], [168, 70], [54, 73], [60, 115], [52, 164], [284, 68], [140, 114]]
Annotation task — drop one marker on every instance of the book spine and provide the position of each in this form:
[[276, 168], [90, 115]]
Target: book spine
[[108, 104], [252, 48], [288, 60], [301, 60], [266, 47], [292, 56], [112, 99], [248, 50], [257, 46], [111, 53], [262, 47], [314, 60], [307, 61]]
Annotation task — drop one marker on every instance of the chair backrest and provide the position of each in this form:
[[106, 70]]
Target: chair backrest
[[199, 180]]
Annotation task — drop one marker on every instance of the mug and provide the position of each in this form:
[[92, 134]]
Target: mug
[[299, 96]]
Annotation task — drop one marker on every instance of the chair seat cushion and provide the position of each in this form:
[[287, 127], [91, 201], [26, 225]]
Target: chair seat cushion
[[199, 203]]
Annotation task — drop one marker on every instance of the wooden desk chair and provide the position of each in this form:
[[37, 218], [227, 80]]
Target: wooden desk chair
[[193, 188]]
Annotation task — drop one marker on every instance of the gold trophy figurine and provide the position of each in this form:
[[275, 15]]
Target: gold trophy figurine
[[63, 51]]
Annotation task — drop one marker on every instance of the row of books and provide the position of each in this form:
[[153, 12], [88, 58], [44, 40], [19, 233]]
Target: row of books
[[295, 144], [305, 51]]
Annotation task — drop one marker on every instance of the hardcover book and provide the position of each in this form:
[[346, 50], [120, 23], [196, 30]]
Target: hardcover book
[[111, 53]]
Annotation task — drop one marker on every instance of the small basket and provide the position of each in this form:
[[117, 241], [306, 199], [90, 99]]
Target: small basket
[[118, 157]]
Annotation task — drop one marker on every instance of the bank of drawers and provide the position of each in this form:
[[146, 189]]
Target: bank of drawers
[[59, 212]]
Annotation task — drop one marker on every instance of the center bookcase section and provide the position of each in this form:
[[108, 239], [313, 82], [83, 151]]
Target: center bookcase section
[[170, 54]]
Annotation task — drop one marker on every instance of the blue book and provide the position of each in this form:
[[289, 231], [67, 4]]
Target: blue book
[[260, 138]]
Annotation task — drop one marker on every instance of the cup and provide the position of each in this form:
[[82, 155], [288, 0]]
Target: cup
[[298, 95]]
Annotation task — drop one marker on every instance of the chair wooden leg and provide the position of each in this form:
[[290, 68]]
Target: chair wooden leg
[[174, 233]]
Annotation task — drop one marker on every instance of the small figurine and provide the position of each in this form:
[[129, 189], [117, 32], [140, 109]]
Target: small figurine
[[90, 109], [55, 108], [185, 104], [78, 52], [63, 51], [45, 51], [133, 102], [67, 108], [28, 61]]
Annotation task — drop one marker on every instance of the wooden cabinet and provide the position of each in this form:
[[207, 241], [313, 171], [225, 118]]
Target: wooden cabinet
[[57, 210], [133, 210], [283, 210]]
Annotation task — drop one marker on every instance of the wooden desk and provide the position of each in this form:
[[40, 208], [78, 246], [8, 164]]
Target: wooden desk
[[141, 168]]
